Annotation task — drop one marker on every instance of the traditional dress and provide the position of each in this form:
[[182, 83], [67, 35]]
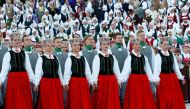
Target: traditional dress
[[106, 75], [49, 77], [185, 72], [89, 53], [17, 66], [169, 94], [138, 92], [150, 41], [148, 52], [3, 50], [77, 75], [120, 54], [62, 56], [33, 56]]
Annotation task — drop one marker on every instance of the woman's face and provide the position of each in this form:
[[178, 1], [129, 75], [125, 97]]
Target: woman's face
[[76, 46], [186, 49], [105, 46], [165, 45], [49, 47], [16, 42], [136, 47], [89, 41]]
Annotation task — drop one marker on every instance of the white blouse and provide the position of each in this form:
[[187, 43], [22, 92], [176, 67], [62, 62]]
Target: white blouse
[[157, 67], [68, 72], [39, 71], [127, 68], [6, 66], [96, 68]]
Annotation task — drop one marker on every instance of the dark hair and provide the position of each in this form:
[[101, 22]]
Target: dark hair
[[117, 34], [24, 37], [139, 33]]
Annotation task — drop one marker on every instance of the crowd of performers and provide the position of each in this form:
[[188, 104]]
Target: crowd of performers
[[47, 76], [94, 54]]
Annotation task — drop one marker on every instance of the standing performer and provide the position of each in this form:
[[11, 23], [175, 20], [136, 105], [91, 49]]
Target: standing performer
[[120, 54], [166, 70], [77, 76], [138, 73], [48, 74], [62, 56], [88, 52], [149, 53], [3, 50], [33, 56], [185, 72], [107, 78], [16, 66]]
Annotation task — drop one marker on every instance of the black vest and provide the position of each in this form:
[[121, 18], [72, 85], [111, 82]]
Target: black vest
[[17, 61], [50, 67], [106, 65], [137, 64], [167, 63], [78, 66]]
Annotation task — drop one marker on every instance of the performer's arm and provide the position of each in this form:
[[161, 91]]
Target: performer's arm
[[38, 71], [157, 67], [88, 72], [95, 68], [126, 69], [176, 69], [5, 67], [29, 68], [148, 70], [116, 70], [68, 72]]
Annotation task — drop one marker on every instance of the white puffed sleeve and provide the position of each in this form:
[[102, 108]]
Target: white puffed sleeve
[[116, 70], [38, 71], [126, 69], [88, 72], [176, 69], [29, 68], [5, 67], [68, 72], [157, 67], [95, 68], [148, 70]]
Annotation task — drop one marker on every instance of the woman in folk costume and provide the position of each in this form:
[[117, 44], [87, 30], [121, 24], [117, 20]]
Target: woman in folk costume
[[171, 24], [77, 77], [49, 78], [16, 67], [138, 73], [107, 78], [166, 71], [185, 72]]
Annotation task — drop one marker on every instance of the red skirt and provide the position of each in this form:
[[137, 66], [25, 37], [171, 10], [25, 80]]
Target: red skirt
[[107, 95], [18, 93], [169, 94], [50, 94], [79, 94], [138, 93]]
